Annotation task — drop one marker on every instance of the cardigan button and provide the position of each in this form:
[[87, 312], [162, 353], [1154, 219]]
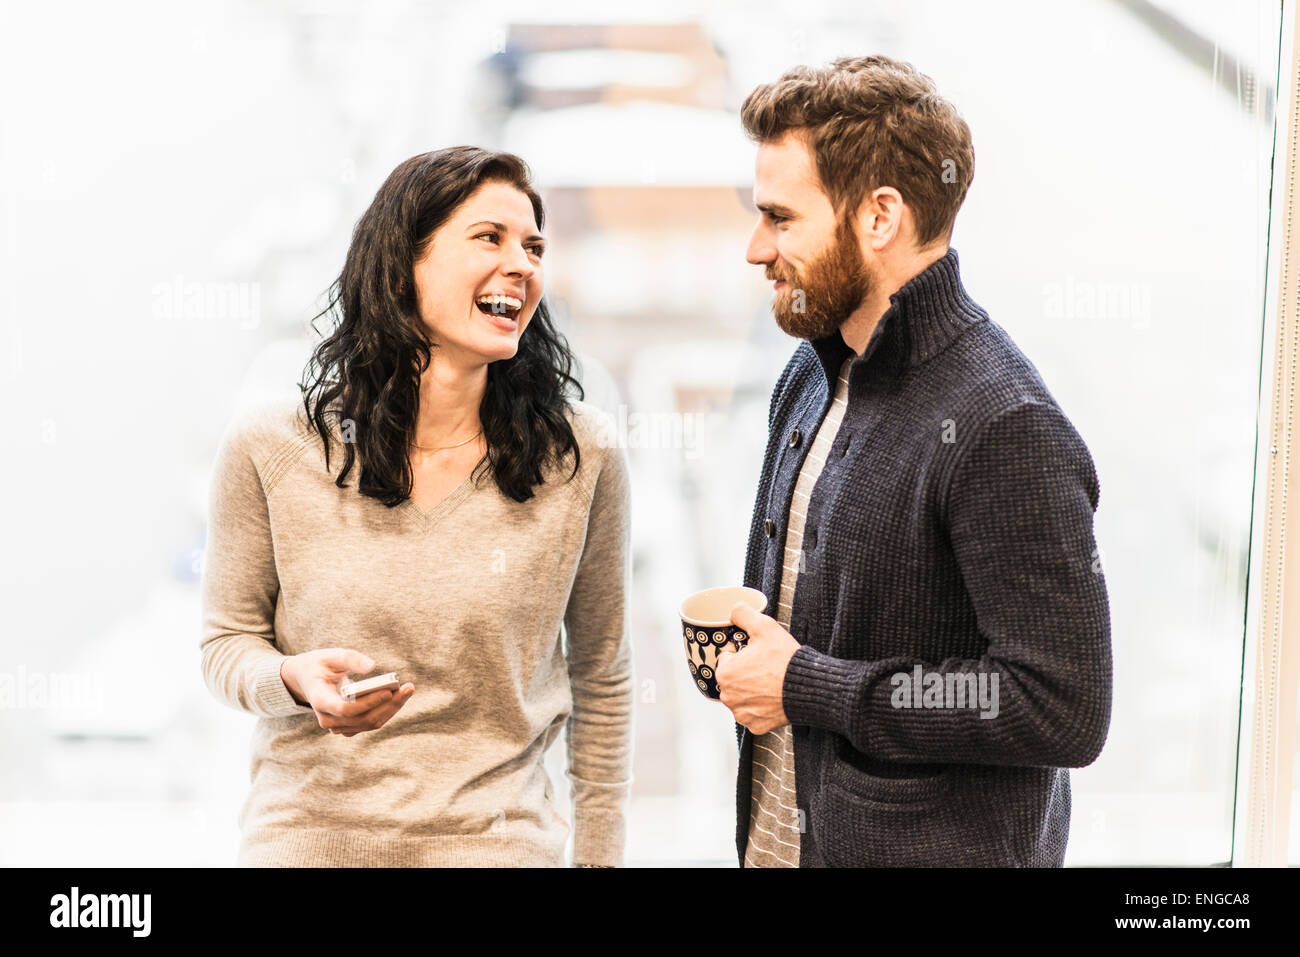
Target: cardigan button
[[795, 438], [769, 526]]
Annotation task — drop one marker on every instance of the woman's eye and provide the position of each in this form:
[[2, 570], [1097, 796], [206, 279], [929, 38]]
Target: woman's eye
[[537, 250], [490, 235]]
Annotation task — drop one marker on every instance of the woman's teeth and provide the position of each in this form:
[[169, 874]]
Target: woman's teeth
[[505, 306]]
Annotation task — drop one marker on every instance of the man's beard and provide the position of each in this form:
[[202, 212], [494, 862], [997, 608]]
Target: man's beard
[[816, 302]]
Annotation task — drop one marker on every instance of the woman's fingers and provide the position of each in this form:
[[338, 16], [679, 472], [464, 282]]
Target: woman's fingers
[[332, 711], [376, 716], [327, 700], [379, 717], [345, 660], [359, 707]]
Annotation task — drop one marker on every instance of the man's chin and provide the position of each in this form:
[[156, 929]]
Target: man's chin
[[804, 327]]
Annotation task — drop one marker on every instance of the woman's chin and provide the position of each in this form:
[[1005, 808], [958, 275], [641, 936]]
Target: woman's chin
[[502, 350], [503, 344]]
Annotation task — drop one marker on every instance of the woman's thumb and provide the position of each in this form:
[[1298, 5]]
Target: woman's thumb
[[344, 659]]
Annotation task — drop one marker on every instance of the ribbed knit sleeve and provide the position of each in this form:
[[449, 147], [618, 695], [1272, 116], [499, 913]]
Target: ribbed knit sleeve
[[599, 656], [1019, 515], [241, 663]]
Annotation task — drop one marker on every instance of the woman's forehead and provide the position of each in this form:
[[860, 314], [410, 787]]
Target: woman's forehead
[[499, 203]]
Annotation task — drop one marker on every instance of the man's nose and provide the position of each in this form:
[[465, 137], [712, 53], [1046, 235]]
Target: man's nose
[[760, 251]]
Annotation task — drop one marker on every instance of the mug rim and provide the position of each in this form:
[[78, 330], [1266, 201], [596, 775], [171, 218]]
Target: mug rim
[[728, 623]]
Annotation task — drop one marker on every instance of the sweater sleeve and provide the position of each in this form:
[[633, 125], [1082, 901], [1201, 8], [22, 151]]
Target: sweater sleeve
[[599, 655], [1020, 519], [241, 663]]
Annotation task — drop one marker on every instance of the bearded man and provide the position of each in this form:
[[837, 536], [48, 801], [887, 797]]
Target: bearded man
[[940, 652]]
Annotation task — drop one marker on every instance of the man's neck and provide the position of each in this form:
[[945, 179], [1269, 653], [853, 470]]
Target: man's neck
[[856, 330]]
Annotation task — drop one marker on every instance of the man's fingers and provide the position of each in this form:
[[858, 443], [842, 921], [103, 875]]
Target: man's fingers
[[743, 616], [725, 653]]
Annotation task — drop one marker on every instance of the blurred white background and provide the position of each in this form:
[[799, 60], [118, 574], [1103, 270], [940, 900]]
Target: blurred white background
[[179, 184]]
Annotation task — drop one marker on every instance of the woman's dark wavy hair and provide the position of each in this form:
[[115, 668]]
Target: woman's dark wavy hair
[[368, 370]]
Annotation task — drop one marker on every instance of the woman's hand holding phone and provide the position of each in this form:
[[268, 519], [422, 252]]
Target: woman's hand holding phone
[[314, 677]]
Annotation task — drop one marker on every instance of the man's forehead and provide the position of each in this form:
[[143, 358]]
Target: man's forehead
[[784, 171]]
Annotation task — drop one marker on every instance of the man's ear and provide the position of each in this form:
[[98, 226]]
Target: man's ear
[[880, 218]]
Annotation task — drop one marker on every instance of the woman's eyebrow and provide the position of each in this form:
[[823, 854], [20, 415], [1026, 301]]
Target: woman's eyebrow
[[502, 228]]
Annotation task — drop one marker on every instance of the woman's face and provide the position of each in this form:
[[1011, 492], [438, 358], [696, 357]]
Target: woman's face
[[480, 279]]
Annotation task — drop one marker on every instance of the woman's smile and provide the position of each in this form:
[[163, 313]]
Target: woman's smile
[[502, 309]]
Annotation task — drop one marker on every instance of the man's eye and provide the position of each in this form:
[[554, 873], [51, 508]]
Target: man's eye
[[775, 219], [537, 250]]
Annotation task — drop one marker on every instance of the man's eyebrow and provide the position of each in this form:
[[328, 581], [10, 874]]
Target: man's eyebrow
[[776, 209], [501, 227]]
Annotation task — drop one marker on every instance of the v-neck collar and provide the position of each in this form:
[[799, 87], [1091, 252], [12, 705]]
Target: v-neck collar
[[428, 518]]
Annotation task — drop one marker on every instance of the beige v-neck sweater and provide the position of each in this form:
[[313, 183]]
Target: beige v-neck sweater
[[466, 601]]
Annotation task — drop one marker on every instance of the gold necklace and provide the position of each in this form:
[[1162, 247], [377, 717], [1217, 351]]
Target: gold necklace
[[443, 448]]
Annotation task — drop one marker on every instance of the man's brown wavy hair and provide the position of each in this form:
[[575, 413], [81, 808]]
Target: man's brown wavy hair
[[872, 121]]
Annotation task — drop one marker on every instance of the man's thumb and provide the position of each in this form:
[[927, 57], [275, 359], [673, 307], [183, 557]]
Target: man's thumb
[[743, 616]]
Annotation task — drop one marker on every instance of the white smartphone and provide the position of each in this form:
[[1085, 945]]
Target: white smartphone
[[354, 689]]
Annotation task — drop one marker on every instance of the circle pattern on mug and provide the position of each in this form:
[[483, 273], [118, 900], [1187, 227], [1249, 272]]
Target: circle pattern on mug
[[704, 646]]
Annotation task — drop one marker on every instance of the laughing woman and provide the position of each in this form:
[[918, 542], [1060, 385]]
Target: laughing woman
[[485, 513]]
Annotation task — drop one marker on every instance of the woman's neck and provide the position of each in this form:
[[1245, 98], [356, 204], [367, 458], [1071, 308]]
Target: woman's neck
[[450, 396]]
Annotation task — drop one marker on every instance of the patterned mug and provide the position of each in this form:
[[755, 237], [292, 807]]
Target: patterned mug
[[707, 629]]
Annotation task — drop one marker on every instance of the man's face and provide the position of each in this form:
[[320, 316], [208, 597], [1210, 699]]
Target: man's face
[[817, 265]]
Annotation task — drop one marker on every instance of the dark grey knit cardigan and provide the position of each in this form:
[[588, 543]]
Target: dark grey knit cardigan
[[950, 535]]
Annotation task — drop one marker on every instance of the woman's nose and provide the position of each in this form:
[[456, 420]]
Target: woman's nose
[[518, 264]]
